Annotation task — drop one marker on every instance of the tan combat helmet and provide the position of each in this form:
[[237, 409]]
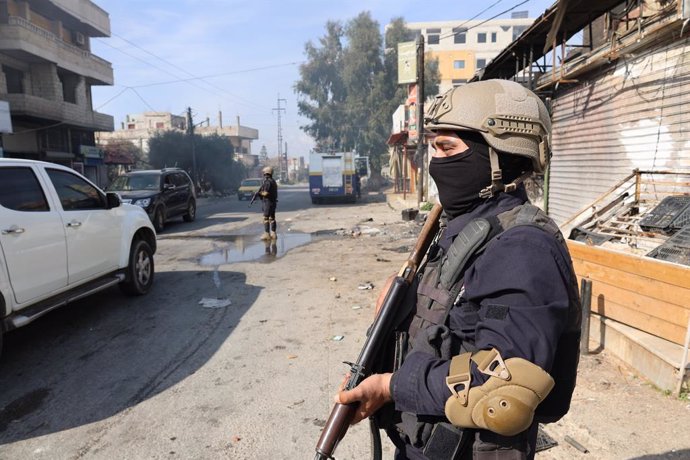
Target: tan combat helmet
[[511, 118], [267, 170]]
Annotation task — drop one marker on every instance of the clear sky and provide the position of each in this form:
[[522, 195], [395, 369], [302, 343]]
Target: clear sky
[[240, 56]]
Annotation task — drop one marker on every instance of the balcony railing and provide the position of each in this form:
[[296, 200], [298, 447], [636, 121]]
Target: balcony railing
[[88, 61], [65, 112]]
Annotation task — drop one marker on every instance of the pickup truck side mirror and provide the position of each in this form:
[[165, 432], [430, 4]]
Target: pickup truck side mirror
[[112, 200]]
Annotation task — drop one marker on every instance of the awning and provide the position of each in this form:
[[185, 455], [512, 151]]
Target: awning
[[395, 163], [563, 17], [58, 154], [397, 138]]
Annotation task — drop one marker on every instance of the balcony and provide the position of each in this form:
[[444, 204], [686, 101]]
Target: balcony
[[24, 105], [25, 41], [88, 14]]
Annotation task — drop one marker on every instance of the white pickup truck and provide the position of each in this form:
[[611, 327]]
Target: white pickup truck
[[62, 238]]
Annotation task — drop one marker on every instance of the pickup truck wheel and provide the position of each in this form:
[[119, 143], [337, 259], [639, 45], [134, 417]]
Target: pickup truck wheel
[[159, 220], [191, 212], [139, 272]]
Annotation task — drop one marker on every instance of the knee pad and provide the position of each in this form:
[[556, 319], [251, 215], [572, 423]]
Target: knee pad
[[506, 402]]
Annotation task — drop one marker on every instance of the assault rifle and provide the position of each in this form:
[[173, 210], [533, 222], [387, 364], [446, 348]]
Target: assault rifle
[[255, 195], [379, 333]]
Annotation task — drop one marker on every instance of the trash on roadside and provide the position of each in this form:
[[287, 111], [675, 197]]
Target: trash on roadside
[[365, 286], [409, 213], [333, 278], [291, 356], [356, 307], [207, 302], [337, 338], [337, 296], [576, 444], [381, 259], [369, 231]]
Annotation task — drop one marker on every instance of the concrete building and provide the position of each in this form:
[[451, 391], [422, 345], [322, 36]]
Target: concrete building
[[464, 47], [47, 74], [139, 128]]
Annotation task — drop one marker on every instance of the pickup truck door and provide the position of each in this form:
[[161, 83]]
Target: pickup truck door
[[32, 237], [92, 231]]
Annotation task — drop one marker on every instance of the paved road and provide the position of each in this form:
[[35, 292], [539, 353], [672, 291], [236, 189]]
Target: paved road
[[163, 376]]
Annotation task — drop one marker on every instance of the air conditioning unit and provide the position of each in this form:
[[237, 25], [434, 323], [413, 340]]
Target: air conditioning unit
[[79, 38]]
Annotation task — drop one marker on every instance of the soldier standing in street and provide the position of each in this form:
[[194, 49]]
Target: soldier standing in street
[[492, 336], [269, 199]]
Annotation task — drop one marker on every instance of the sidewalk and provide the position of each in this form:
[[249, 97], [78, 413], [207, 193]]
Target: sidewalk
[[396, 201]]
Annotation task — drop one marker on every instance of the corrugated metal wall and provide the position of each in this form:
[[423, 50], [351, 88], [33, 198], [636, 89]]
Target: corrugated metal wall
[[634, 114]]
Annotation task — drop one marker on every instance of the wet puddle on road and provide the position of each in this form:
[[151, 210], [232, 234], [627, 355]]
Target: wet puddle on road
[[248, 248]]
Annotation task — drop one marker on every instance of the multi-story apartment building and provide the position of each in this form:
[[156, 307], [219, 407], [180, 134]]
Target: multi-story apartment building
[[47, 72], [463, 47]]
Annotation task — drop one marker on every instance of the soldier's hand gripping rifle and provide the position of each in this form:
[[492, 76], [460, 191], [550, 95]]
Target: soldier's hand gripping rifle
[[379, 333]]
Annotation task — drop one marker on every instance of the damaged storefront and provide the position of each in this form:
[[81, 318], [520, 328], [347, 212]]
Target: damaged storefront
[[617, 80]]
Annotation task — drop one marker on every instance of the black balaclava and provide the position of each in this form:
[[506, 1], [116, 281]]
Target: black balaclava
[[460, 178]]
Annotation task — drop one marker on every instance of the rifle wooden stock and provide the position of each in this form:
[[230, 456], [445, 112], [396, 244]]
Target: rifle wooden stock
[[342, 414]]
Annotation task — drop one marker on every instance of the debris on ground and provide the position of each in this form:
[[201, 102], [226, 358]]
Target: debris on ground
[[215, 302]]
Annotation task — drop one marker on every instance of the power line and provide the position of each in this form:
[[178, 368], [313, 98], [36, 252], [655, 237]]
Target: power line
[[486, 20], [253, 69], [213, 85]]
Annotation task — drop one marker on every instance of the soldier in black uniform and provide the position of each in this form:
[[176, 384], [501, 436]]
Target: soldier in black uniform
[[269, 199], [493, 335]]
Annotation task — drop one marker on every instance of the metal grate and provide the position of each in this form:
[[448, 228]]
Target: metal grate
[[676, 249], [682, 219], [662, 217], [544, 441], [590, 238]]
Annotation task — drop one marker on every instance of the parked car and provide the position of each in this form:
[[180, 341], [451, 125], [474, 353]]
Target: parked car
[[62, 238], [162, 193], [248, 188]]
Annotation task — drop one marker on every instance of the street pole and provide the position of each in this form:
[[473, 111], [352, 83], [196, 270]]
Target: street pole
[[420, 120], [190, 133]]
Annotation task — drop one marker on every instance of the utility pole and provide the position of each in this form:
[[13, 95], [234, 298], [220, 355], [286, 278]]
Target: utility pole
[[421, 146], [282, 157], [190, 133]]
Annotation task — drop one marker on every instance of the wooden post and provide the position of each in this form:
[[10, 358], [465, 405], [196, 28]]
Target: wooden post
[[586, 298], [683, 361]]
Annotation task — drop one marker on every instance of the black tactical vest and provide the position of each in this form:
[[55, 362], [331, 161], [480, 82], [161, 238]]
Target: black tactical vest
[[440, 287]]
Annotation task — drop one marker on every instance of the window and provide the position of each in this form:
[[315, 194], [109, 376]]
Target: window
[[460, 64], [460, 34], [459, 81], [493, 37], [20, 190], [75, 193], [181, 180], [160, 125], [481, 63], [481, 37], [15, 80], [517, 31], [433, 36], [131, 126]]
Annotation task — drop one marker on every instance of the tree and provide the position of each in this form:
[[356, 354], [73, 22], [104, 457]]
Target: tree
[[215, 163], [123, 152], [348, 87]]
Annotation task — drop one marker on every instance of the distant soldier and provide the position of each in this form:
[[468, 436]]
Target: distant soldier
[[269, 199]]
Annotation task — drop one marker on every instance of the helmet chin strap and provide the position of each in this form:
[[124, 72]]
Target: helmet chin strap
[[497, 184]]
